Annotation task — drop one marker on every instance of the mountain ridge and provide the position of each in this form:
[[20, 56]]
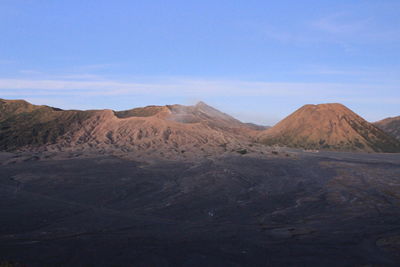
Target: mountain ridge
[[178, 130], [151, 131]]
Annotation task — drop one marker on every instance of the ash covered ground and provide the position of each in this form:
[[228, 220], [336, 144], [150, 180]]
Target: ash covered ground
[[288, 208]]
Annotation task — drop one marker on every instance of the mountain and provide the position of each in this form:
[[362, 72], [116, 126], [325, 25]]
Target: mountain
[[153, 130], [14, 107], [175, 131], [390, 125], [22, 123], [330, 127], [257, 127]]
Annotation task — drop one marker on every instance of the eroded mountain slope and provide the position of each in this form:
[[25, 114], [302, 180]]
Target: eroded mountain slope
[[329, 126], [172, 130]]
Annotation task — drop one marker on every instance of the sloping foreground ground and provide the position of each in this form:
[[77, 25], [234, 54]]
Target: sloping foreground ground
[[299, 209]]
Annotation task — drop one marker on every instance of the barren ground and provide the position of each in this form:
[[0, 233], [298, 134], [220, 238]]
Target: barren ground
[[289, 209]]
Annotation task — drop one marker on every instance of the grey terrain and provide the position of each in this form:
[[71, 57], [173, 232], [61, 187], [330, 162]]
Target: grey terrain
[[279, 208]]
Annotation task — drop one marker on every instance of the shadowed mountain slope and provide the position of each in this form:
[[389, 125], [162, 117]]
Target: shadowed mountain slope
[[22, 123], [10, 108], [163, 130], [330, 127], [390, 125]]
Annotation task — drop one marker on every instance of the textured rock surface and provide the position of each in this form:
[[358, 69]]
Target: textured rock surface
[[329, 127], [173, 131]]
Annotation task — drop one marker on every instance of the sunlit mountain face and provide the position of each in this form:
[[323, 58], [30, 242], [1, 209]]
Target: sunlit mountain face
[[329, 127]]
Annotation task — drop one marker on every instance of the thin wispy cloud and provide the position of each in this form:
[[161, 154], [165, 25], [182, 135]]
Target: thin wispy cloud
[[83, 76], [375, 75], [287, 36], [342, 23], [345, 26], [266, 57], [95, 67], [338, 28], [186, 87], [30, 72]]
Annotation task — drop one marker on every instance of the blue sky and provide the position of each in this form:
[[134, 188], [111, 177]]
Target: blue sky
[[257, 60]]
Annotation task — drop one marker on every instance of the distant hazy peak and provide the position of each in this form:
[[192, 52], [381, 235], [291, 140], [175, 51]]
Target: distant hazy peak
[[201, 103], [389, 119], [390, 125]]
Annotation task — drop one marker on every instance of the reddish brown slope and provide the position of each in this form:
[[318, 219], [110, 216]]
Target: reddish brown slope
[[329, 126], [155, 130]]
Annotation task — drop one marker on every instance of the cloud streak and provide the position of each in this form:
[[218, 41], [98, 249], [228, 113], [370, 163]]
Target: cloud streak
[[337, 28], [245, 99], [187, 87]]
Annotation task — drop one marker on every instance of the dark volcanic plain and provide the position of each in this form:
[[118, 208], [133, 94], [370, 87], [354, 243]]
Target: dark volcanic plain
[[281, 208]]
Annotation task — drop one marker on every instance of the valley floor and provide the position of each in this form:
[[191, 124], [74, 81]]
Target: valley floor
[[289, 208]]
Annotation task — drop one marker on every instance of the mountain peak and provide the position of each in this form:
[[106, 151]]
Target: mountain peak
[[201, 103], [325, 106], [330, 126], [170, 130]]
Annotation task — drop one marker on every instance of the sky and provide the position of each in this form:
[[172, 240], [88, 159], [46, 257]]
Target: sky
[[256, 60]]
